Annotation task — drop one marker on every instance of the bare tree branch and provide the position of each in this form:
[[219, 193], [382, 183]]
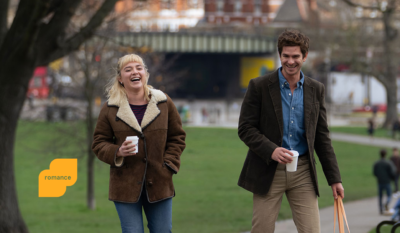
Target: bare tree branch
[[353, 4], [86, 32], [63, 13], [23, 30], [393, 4], [99, 50], [3, 19]]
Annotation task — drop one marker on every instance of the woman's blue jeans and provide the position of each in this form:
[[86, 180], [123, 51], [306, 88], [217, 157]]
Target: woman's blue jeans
[[159, 215]]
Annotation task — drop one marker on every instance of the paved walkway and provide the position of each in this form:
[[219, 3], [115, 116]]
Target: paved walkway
[[364, 140], [362, 216]]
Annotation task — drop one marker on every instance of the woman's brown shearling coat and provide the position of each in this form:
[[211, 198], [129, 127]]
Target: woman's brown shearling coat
[[161, 143]]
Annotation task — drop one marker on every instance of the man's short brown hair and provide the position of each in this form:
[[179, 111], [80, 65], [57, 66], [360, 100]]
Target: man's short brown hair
[[382, 152], [293, 38]]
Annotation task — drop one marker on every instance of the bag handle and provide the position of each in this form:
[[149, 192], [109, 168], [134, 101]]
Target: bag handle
[[339, 209]]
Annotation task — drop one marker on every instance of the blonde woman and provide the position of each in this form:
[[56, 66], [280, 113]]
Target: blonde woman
[[140, 180]]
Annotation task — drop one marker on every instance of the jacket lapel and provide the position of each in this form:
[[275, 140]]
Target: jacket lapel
[[126, 115], [152, 110], [308, 96], [275, 92]]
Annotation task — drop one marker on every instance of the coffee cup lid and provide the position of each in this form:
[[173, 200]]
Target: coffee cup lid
[[295, 153]]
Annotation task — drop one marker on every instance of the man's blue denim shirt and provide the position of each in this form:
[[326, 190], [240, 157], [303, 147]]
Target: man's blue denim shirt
[[294, 133]]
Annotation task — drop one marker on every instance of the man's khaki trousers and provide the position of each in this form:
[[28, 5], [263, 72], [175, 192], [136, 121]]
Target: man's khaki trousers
[[301, 195]]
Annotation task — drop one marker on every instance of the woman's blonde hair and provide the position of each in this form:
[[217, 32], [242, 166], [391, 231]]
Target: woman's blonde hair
[[114, 90]]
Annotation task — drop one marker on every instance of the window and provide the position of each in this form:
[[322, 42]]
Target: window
[[220, 6], [37, 81], [167, 4], [194, 4], [257, 6], [238, 6], [139, 5]]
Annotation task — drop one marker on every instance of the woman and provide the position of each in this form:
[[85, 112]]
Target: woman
[[143, 179]]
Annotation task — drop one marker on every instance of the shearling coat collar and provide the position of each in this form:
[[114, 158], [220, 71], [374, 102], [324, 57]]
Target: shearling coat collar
[[152, 112]]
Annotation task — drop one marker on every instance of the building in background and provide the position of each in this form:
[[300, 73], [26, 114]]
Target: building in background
[[250, 12], [174, 15], [158, 15], [356, 90]]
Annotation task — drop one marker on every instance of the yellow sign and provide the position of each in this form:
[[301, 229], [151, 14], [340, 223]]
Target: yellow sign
[[97, 101], [56, 65], [253, 67], [53, 182]]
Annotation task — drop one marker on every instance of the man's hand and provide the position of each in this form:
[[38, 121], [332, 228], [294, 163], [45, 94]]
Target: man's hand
[[337, 189], [282, 155]]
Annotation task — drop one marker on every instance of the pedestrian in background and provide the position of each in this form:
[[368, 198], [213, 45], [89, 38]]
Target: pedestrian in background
[[396, 161], [371, 127], [139, 180], [385, 172]]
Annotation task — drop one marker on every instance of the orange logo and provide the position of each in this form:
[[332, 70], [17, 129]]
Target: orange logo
[[53, 182]]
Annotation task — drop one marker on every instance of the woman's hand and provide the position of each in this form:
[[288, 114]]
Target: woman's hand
[[126, 148]]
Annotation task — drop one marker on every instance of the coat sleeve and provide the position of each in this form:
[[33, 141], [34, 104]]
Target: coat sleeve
[[175, 138], [249, 125], [103, 140], [323, 144]]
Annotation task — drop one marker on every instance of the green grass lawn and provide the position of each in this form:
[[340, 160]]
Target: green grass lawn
[[207, 196], [380, 133]]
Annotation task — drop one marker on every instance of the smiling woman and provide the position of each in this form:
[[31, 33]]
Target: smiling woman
[[143, 179]]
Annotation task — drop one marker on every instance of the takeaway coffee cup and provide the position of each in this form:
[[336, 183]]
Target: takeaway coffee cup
[[292, 167], [135, 141]]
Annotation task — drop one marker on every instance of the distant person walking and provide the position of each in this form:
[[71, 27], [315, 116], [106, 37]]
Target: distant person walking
[[396, 161], [371, 127], [141, 180], [385, 172], [374, 109]]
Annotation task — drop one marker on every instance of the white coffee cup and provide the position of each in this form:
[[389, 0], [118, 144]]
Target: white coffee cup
[[135, 141], [292, 167]]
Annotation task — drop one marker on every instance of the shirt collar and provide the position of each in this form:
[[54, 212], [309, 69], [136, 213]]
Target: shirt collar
[[283, 81]]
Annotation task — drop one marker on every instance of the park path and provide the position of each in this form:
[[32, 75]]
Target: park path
[[362, 215], [364, 140]]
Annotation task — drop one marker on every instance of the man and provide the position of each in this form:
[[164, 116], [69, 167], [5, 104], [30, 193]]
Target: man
[[384, 171], [285, 111], [396, 161]]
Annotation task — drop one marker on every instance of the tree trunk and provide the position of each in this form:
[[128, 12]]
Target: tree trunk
[[391, 112], [91, 201], [12, 96], [27, 43], [390, 70]]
